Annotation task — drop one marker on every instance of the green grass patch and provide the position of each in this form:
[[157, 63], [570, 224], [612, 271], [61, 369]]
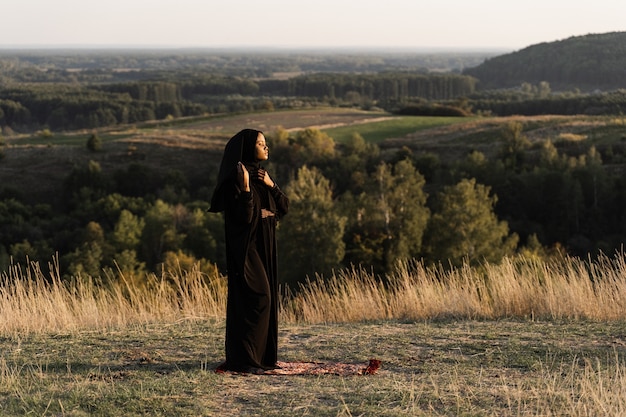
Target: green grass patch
[[397, 126], [608, 135]]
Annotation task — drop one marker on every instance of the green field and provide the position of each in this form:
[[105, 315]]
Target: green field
[[396, 127]]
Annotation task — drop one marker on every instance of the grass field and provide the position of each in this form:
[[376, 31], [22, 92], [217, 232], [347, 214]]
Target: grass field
[[397, 127], [443, 368], [521, 338]]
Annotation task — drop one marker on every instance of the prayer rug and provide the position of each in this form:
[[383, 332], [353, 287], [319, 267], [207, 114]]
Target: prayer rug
[[318, 368]]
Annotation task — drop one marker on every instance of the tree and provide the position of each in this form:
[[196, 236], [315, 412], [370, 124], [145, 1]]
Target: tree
[[200, 231], [514, 145], [388, 220], [160, 233], [137, 180], [89, 256], [595, 188], [406, 202], [350, 170], [23, 252], [464, 226], [127, 231], [310, 236], [129, 265], [312, 145], [180, 263], [5, 259], [280, 145], [543, 89], [278, 138], [86, 183], [94, 143], [548, 154]]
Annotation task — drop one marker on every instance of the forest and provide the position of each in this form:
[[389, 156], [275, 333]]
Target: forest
[[501, 192], [591, 63], [356, 202]]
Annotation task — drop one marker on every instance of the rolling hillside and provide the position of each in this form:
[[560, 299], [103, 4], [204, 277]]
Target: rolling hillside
[[588, 63], [36, 166]]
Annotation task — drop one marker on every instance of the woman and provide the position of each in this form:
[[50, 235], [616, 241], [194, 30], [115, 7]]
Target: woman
[[252, 204]]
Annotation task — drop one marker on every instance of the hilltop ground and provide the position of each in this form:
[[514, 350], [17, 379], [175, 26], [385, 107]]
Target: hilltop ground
[[505, 368]]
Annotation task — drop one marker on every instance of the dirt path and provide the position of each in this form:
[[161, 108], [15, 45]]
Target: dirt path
[[342, 124]]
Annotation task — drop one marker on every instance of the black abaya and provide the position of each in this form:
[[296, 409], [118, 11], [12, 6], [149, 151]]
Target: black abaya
[[250, 232]]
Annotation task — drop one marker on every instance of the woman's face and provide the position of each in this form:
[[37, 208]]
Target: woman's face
[[261, 151]]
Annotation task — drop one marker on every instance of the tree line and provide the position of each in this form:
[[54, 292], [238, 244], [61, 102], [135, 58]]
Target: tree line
[[60, 107], [538, 99], [67, 106], [351, 202]]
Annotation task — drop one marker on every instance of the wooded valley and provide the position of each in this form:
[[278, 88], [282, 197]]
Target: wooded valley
[[109, 158]]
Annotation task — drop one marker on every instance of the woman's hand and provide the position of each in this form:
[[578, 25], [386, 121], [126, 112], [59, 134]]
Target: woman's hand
[[264, 177], [243, 176]]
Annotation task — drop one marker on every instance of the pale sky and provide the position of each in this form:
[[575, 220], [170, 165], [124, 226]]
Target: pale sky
[[414, 24]]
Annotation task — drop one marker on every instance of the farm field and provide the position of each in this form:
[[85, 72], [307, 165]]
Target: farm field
[[441, 368], [338, 123]]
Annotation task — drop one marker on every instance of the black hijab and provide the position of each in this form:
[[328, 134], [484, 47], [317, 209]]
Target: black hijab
[[240, 147]]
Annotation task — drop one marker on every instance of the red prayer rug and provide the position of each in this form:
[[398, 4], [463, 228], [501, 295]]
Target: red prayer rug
[[318, 368]]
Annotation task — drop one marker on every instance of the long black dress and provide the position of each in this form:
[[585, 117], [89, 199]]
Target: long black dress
[[250, 233]]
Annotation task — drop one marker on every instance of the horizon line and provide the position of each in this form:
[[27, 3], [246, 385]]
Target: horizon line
[[308, 48]]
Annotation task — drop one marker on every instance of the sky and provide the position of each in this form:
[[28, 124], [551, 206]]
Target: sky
[[304, 24]]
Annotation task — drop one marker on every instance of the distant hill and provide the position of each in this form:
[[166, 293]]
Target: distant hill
[[588, 63]]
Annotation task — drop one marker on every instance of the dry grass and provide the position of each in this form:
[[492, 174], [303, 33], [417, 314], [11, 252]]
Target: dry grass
[[443, 368], [570, 137], [520, 338], [567, 288], [32, 300]]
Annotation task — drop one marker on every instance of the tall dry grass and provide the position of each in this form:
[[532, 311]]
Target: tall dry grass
[[563, 288], [34, 300]]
